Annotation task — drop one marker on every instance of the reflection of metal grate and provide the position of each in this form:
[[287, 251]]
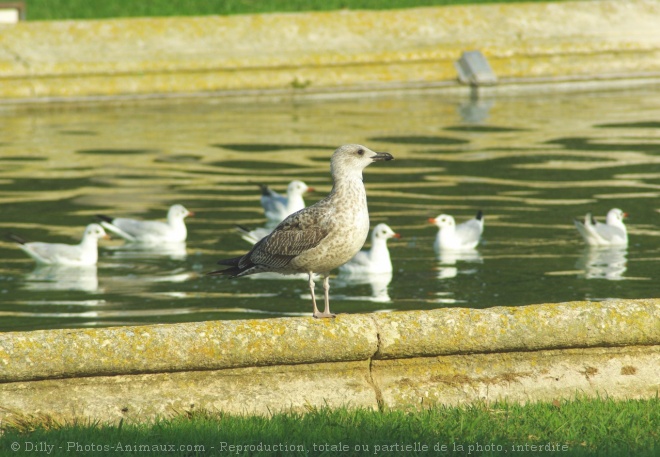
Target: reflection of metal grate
[[474, 69], [12, 12]]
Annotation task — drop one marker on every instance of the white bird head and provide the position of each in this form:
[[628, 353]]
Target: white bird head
[[443, 221], [615, 217], [383, 232], [94, 231], [350, 159], [178, 212], [298, 188]]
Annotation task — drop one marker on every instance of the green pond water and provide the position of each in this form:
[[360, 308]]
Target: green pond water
[[531, 163]]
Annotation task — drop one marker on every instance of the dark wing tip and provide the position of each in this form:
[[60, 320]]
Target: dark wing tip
[[104, 218], [233, 262], [243, 229], [480, 215], [230, 272], [265, 190], [235, 268], [15, 238]]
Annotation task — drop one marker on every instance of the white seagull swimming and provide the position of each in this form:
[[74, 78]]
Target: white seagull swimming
[[612, 233], [321, 237], [377, 259], [253, 236], [278, 207], [132, 230], [457, 237], [83, 254]]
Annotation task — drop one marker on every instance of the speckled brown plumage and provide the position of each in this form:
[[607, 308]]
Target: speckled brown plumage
[[321, 237]]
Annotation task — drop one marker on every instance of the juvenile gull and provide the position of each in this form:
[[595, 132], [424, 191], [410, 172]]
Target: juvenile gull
[[172, 231], [278, 207], [321, 237], [83, 254], [377, 259], [457, 237], [612, 233]]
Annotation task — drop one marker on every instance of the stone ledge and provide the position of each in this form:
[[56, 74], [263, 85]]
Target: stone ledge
[[527, 328], [397, 360], [214, 345], [210, 345], [520, 377]]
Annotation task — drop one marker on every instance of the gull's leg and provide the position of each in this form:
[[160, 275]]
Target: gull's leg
[[316, 312], [326, 289]]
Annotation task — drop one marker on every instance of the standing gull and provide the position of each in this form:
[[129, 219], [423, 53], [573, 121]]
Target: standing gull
[[172, 231], [612, 233], [457, 237], [83, 254], [278, 207], [321, 237]]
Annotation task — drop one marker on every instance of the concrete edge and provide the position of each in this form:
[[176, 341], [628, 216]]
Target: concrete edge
[[310, 53], [508, 87], [512, 329], [219, 345], [400, 360]]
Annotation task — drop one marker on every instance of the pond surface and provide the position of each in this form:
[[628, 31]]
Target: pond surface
[[531, 163]]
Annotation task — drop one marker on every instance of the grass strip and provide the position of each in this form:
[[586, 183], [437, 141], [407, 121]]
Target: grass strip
[[579, 427], [90, 9]]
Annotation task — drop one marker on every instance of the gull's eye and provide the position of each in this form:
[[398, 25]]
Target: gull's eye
[[360, 152]]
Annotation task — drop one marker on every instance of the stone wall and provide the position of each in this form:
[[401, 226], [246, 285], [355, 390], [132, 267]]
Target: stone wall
[[312, 52], [384, 360]]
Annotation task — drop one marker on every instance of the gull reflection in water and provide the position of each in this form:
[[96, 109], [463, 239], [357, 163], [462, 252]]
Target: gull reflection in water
[[605, 263], [174, 251], [379, 283], [447, 259], [144, 281], [59, 277]]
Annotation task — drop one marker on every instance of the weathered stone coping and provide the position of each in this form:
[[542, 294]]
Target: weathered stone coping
[[217, 345], [308, 52], [399, 360]]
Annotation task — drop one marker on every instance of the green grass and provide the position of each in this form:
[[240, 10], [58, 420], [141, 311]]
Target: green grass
[[581, 427], [100, 9]]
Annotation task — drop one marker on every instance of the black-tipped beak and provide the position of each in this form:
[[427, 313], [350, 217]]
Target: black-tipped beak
[[382, 156]]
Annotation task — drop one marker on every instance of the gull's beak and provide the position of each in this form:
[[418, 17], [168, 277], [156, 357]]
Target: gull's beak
[[191, 214], [431, 220], [311, 189], [396, 235], [382, 156]]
